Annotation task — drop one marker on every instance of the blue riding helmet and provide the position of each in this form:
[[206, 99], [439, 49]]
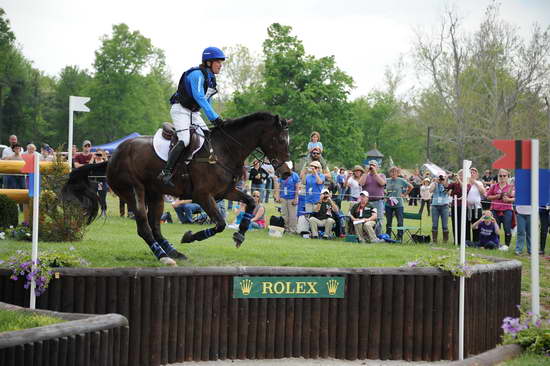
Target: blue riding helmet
[[212, 53]]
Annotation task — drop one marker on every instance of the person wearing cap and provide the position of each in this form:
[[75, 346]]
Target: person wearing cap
[[195, 90], [425, 196], [314, 183], [352, 182], [396, 188], [315, 155], [374, 182], [286, 193], [322, 215], [85, 157], [47, 153], [364, 219]]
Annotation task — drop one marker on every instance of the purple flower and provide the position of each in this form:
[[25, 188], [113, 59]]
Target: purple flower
[[13, 277], [412, 264]]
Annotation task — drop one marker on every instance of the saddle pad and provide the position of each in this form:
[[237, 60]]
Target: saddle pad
[[162, 146]]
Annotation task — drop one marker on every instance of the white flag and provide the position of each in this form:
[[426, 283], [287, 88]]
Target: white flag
[[78, 104]]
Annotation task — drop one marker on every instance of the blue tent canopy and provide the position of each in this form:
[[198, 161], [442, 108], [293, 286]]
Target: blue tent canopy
[[111, 146]]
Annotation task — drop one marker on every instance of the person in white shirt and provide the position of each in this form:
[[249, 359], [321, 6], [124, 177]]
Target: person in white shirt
[[425, 196], [476, 190], [352, 181]]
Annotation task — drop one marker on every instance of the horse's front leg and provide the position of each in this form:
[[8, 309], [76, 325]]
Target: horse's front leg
[[208, 204], [236, 195]]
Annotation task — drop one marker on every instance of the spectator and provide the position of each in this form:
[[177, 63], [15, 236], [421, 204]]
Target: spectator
[[524, 228], [315, 155], [15, 181], [488, 232], [240, 185], [258, 219], [425, 196], [476, 190], [440, 207], [31, 149], [314, 183], [269, 182], [364, 219], [352, 181], [8, 151], [373, 182], [544, 215], [47, 153], [501, 196], [185, 210], [286, 193], [487, 178], [315, 142], [258, 177], [455, 189], [102, 187], [322, 216], [414, 196], [340, 182], [396, 188], [334, 174], [85, 156]]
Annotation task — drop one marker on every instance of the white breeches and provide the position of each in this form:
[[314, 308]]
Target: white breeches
[[183, 118]]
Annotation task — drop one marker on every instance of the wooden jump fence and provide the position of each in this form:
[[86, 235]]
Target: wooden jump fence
[[189, 314]]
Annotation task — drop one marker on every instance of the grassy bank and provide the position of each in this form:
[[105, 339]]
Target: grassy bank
[[11, 320]]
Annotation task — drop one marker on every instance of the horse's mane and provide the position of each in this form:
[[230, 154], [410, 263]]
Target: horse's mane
[[263, 116]]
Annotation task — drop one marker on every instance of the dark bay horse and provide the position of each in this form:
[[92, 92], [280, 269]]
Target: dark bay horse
[[133, 169]]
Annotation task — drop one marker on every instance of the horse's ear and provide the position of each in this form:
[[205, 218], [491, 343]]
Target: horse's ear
[[289, 121]]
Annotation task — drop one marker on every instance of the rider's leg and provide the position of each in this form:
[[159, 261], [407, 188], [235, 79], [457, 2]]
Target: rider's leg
[[182, 120]]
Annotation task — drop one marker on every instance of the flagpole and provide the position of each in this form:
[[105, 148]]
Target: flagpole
[[35, 216], [535, 284]]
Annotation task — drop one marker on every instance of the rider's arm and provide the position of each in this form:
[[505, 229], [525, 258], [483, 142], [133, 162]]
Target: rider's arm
[[196, 80]]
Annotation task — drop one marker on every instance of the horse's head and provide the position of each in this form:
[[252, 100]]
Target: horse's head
[[275, 143]]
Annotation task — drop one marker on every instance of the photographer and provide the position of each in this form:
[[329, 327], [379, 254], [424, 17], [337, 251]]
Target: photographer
[[314, 183], [396, 188], [373, 182], [322, 215], [501, 196], [364, 219], [440, 207], [102, 188]]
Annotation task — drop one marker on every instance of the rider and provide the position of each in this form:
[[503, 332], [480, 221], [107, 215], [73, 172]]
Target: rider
[[196, 86]]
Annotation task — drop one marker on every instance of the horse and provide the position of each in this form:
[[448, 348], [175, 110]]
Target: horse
[[211, 175]]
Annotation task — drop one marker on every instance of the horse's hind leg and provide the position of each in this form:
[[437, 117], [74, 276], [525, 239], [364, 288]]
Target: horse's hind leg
[[143, 228], [155, 208], [209, 206]]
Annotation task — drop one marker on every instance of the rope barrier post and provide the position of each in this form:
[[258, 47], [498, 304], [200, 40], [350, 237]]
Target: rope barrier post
[[535, 234], [35, 217], [466, 164], [455, 219]]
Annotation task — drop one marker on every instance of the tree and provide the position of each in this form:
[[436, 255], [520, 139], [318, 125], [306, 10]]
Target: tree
[[241, 71], [130, 88]]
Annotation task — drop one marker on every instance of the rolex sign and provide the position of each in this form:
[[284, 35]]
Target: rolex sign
[[286, 287]]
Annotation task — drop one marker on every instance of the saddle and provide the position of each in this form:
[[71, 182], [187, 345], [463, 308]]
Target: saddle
[[169, 133]]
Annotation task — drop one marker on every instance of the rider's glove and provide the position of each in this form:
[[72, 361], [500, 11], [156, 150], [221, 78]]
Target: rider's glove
[[217, 122]]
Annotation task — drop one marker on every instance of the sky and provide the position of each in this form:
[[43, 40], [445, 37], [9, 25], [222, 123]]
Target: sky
[[365, 36]]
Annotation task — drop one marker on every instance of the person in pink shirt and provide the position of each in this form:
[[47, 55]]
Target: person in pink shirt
[[501, 195]]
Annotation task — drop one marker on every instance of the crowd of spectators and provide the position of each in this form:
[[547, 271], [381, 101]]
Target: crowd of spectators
[[373, 198]]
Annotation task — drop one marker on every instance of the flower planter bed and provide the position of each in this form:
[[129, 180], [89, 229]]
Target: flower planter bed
[[82, 339], [189, 314]]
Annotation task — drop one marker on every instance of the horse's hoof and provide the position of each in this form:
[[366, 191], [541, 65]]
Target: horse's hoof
[[177, 255], [187, 237], [238, 238], [168, 261]]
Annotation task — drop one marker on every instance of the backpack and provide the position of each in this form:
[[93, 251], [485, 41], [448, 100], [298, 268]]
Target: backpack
[[277, 221]]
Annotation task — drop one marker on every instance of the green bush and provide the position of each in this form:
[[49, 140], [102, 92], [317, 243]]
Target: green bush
[[9, 215]]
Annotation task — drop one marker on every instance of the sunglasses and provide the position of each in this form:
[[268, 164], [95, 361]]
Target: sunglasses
[[502, 176], [87, 145], [313, 167], [315, 153], [256, 196]]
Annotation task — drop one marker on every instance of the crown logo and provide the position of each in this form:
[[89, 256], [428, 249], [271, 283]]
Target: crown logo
[[246, 287], [332, 286]]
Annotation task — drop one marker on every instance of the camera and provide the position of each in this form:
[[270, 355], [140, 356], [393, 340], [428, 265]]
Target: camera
[[441, 177]]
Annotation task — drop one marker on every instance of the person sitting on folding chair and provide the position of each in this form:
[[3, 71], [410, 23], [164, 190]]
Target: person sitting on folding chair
[[364, 219]]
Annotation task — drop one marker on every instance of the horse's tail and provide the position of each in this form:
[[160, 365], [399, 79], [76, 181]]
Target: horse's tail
[[79, 188]]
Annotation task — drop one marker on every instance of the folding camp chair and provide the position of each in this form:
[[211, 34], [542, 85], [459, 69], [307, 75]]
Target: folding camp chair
[[410, 233]]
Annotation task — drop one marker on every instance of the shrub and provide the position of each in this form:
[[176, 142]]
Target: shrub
[[59, 220], [9, 215]]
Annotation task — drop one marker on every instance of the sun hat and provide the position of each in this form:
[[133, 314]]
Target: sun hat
[[86, 142], [364, 193], [373, 162], [325, 191], [358, 167], [316, 164]]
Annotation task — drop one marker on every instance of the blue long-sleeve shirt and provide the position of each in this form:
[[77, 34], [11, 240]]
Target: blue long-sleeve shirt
[[195, 83]]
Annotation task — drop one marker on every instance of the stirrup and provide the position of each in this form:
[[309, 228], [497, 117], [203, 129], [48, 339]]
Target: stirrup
[[166, 178]]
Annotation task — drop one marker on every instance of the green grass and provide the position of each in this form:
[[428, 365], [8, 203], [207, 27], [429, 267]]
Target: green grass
[[527, 359], [11, 320]]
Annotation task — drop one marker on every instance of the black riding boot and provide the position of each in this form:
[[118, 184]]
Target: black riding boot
[[167, 173]]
